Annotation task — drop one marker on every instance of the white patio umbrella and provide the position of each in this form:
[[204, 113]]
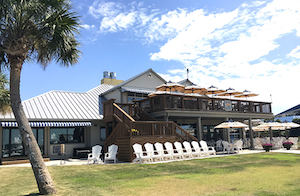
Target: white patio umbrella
[[214, 90], [231, 124], [258, 129], [230, 92], [289, 125], [246, 94], [272, 126], [195, 89], [170, 87]]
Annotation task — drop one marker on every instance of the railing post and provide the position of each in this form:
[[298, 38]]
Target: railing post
[[130, 130], [199, 103], [152, 127]]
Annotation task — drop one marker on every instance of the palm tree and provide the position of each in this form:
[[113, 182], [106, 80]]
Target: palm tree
[[4, 95], [41, 31]]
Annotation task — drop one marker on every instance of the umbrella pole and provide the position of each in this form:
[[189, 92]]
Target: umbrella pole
[[271, 134]]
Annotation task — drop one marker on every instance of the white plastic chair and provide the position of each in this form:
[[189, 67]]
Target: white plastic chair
[[219, 146], [190, 150], [238, 145], [170, 149], [295, 142], [226, 146], [111, 155], [155, 155], [166, 154], [198, 149], [179, 149], [207, 149], [94, 157], [140, 154]]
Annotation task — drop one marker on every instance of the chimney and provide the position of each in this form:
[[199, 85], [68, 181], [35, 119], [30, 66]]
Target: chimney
[[110, 78]]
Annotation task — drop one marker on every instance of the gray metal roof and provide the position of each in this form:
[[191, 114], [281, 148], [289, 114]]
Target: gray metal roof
[[61, 105]]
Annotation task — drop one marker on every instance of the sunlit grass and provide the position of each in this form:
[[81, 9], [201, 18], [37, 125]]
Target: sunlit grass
[[254, 174]]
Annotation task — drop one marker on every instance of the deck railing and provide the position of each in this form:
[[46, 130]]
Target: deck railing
[[173, 102], [148, 128]]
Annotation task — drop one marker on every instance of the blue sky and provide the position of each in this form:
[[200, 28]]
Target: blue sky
[[253, 45]]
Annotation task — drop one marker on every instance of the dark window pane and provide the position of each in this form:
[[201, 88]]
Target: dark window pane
[[5, 143], [16, 143], [58, 135], [76, 135], [102, 133]]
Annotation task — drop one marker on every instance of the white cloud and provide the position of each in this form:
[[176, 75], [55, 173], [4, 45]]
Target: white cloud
[[86, 26], [231, 50], [104, 9], [295, 53], [119, 22]]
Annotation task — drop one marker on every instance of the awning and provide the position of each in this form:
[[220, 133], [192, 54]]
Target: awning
[[49, 124], [137, 90]]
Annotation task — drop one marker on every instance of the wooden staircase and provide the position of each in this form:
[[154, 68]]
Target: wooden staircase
[[128, 131]]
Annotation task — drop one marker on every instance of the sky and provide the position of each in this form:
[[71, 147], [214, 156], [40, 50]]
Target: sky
[[253, 45]]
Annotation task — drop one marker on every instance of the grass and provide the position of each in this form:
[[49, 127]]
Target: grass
[[254, 174]]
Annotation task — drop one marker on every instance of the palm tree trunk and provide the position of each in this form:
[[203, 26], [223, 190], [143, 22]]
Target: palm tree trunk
[[42, 176]]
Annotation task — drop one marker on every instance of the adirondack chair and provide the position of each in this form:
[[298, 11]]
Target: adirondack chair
[[207, 149], [198, 149], [170, 149], [140, 154], [189, 149], [94, 157], [185, 154], [165, 153], [111, 155], [155, 155]]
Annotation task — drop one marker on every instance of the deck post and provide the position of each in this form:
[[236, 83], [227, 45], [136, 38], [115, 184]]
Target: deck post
[[251, 134], [152, 127], [199, 129]]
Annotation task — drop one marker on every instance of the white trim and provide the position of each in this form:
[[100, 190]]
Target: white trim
[[49, 124]]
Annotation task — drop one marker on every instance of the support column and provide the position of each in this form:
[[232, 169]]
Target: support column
[[227, 131], [166, 117], [47, 137], [199, 129], [251, 134]]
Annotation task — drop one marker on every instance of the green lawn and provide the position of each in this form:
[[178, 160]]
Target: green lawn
[[253, 174]]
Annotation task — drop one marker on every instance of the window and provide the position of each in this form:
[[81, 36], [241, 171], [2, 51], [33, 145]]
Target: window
[[66, 135], [102, 133], [190, 128], [135, 96], [12, 144]]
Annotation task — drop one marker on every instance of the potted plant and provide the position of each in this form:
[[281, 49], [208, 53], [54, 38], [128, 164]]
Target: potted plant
[[287, 145], [267, 146]]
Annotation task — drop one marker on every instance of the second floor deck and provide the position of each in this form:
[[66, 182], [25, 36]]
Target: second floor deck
[[189, 103]]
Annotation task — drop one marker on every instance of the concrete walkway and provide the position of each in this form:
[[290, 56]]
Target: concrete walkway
[[84, 161]]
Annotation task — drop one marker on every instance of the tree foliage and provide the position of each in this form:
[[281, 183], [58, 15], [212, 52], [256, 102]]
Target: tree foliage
[[4, 95]]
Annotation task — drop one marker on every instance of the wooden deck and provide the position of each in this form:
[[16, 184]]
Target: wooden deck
[[189, 103]]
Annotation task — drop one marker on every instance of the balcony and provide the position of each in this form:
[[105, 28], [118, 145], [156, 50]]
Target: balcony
[[188, 103]]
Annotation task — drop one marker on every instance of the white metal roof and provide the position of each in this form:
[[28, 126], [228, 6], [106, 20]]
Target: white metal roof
[[63, 106]]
